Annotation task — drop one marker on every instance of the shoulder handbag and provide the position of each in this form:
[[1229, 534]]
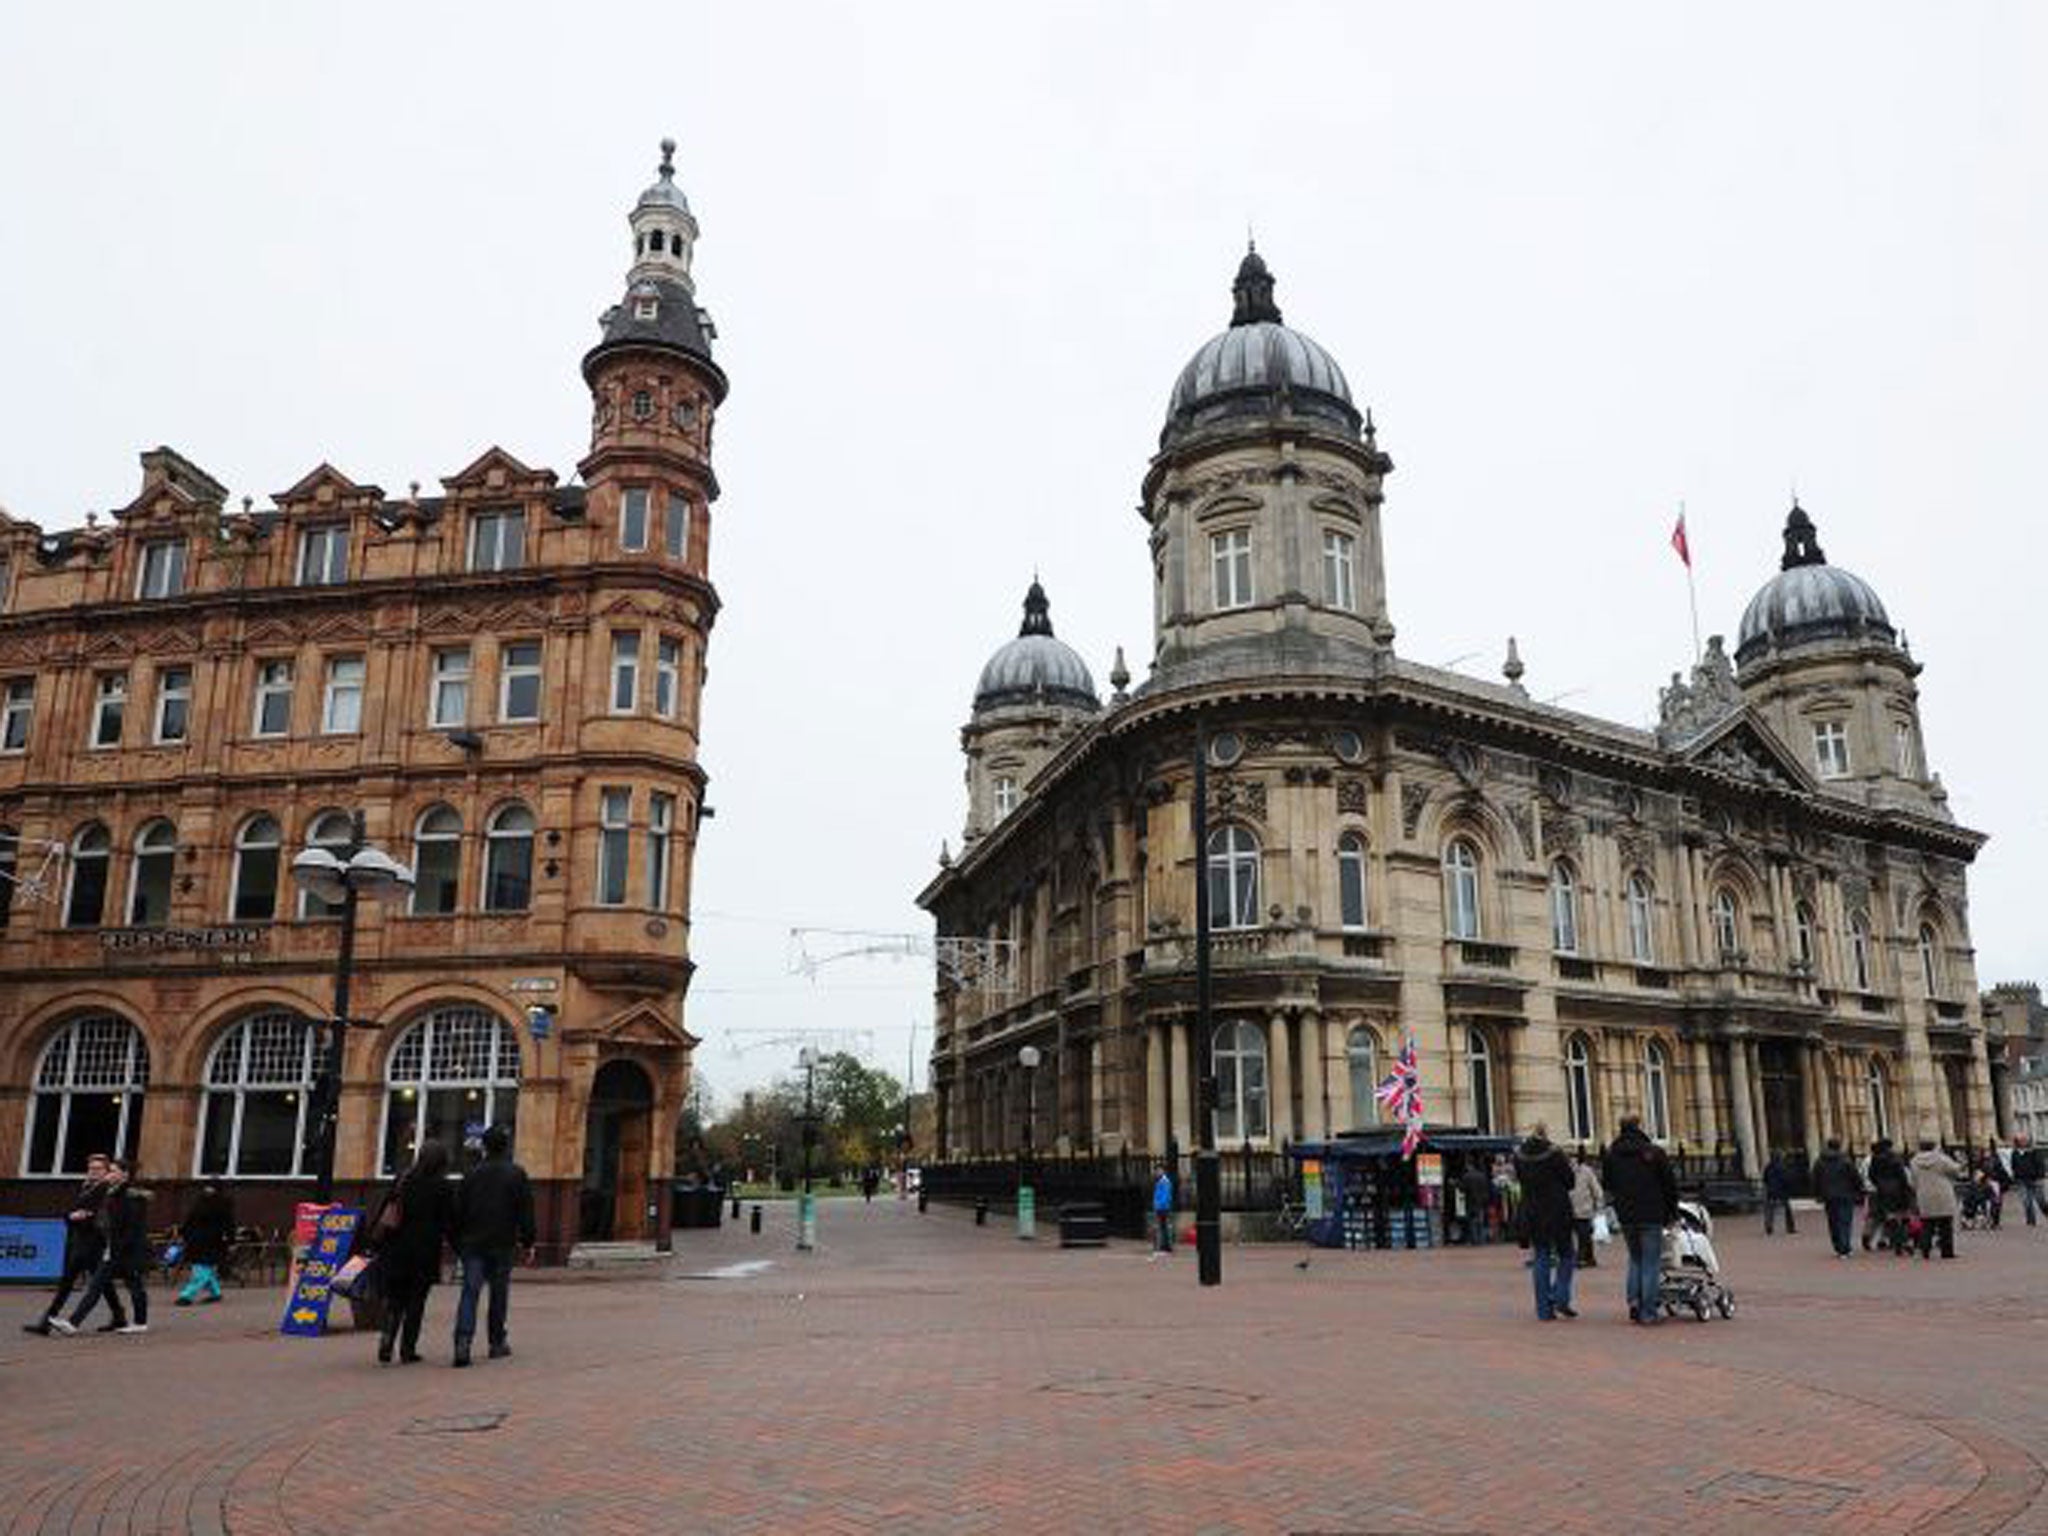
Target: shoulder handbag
[[390, 1217]]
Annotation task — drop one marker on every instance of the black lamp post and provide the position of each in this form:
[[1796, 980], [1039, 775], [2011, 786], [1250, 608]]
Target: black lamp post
[[1208, 1172], [806, 1204], [342, 876], [1027, 1201]]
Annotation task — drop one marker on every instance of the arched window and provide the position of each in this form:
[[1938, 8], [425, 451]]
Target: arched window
[[333, 831], [85, 896], [1578, 1089], [1564, 909], [258, 848], [1351, 880], [1727, 925], [259, 1080], [1240, 1081], [508, 859], [1880, 1106], [451, 1074], [1479, 1078], [1642, 941], [437, 862], [1859, 951], [1233, 878], [1930, 962], [1802, 934], [1656, 1091], [87, 1096], [1362, 1056], [1461, 889], [156, 866]]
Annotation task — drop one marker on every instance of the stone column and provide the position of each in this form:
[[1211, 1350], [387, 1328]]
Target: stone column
[[1155, 1089], [1688, 935], [1178, 1082], [1809, 1093], [1315, 1120], [1759, 1116], [1095, 1094], [1744, 1113], [1706, 1114], [1280, 1091]]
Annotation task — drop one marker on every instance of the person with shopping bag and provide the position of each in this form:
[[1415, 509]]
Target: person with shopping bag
[[205, 1233], [1587, 1199], [406, 1235]]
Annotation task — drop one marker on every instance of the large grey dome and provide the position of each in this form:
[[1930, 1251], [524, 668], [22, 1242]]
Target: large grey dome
[[1035, 667], [1258, 364], [1809, 601]]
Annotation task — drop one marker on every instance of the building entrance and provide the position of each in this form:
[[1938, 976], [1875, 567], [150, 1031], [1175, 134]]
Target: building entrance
[[1784, 1098], [618, 1148]]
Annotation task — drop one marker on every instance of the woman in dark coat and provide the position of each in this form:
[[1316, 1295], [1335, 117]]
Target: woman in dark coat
[[409, 1253], [1546, 1177], [206, 1231]]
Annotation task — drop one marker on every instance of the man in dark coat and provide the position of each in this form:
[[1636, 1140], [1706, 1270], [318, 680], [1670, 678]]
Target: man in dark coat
[[2027, 1173], [1778, 1195], [84, 1243], [1546, 1177], [1839, 1186], [124, 1224], [1891, 1197], [493, 1225], [1475, 1188], [1644, 1191]]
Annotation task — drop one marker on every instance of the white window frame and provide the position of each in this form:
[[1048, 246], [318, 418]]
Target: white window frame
[[336, 692], [1904, 758], [636, 509], [270, 686], [1352, 886], [433, 828], [17, 714], [128, 1087], [1878, 1093], [169, 692], [1340, 569], [1802, 935], [488, 546], [625, 673], [614, 846], [499, 836], [1564, 909], [332, 830], [160, 572], [77, 854], [1243, 1087], [510, 671], [1230, 568], [1362, 1050], [157, 843], [1579, 1114], [675, 526], [448, 683], [1727, 921], [323, 555], [110, 694], [661, 821], [1461, 867], [233, 1091], [668, 676], [1860, 970], [1831, 749], [1234, 868], [1479, 1084], [1930, 960], [501, 1075], [246, 843], [1005, 795], [1640, 899], [1656, 1090]]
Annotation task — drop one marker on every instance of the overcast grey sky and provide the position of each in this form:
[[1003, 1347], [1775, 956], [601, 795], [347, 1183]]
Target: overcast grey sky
[[1583, 261]]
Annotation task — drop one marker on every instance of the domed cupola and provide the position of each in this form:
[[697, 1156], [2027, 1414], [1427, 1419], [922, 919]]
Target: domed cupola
[[1809, 603], [1259, 368], [1036, 668], [660, 310]]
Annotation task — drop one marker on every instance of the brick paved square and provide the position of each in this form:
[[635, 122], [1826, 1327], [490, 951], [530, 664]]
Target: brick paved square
[[920, 1374]]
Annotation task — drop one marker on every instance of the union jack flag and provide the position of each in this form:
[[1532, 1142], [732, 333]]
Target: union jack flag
[[1402, 1094]]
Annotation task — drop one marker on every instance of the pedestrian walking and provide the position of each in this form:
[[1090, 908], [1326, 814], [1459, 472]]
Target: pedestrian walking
[[1162, 1211], [1839, 1187], [123, 1221], [1891, 1198], [1934, 1195], [1778, 1194], [84, 1243], [1475, 1188], [2027, 1174], [1546, 1177], [206, 1231], [414, 1219], [1644, 1190], [493, 1226], [1996, 1178], [1587, 1199]]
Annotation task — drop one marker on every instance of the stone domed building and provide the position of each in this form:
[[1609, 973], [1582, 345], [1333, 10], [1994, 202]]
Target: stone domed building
[[1749, 925]]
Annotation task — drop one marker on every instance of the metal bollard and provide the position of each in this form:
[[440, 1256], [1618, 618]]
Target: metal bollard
[[735, 1207], [981, 1210], [920, 1202], [755, 1225]]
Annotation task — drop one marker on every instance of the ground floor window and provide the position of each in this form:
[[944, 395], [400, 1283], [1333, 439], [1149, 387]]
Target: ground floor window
[[452, 1073], [1240, 1082], [87, 1098], [259, 1080], [1361, 1055], [1479, 1077]]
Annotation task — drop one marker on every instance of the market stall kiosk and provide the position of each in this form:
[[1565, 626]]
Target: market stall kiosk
[[1361, 1192]]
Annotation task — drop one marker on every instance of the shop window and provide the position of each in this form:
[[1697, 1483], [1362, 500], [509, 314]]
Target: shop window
[[259, 1081], [86, 1096], [451, 1075]]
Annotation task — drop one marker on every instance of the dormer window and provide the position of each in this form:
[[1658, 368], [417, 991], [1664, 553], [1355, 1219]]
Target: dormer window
[[646, 308], [323, 556], [1831, 749], [497, 540], [163, 569]]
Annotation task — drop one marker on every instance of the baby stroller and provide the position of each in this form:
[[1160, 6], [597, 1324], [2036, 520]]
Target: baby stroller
[[1691, 1277], [1977, 1203]]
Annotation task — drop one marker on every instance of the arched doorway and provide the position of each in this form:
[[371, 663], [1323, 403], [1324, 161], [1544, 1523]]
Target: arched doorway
[[618, 1147]]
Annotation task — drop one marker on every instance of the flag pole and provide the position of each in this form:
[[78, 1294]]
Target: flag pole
[[1691, 591]]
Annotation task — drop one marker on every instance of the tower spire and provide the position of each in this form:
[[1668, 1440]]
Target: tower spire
[[1252, 293]]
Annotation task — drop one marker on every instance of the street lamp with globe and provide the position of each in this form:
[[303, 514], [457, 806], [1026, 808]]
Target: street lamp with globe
[[342, 876], [1027, 1206]]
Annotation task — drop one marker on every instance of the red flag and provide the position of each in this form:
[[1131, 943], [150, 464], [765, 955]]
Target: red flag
[[1678, 542]]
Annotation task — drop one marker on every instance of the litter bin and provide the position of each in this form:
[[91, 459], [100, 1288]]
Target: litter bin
[[696, 1205]]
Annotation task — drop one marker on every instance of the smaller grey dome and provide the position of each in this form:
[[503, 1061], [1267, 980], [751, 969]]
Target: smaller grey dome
[[1035, 667], [1809, 601], [665, 193], [1246, 369]]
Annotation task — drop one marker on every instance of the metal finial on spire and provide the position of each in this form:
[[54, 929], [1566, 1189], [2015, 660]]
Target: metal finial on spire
[[1119, 674], [1251, 242], [1512, 668], [668, 159]]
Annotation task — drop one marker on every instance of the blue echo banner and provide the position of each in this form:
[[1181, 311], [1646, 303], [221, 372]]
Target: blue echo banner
[[31, 1248], [333, 1234]]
